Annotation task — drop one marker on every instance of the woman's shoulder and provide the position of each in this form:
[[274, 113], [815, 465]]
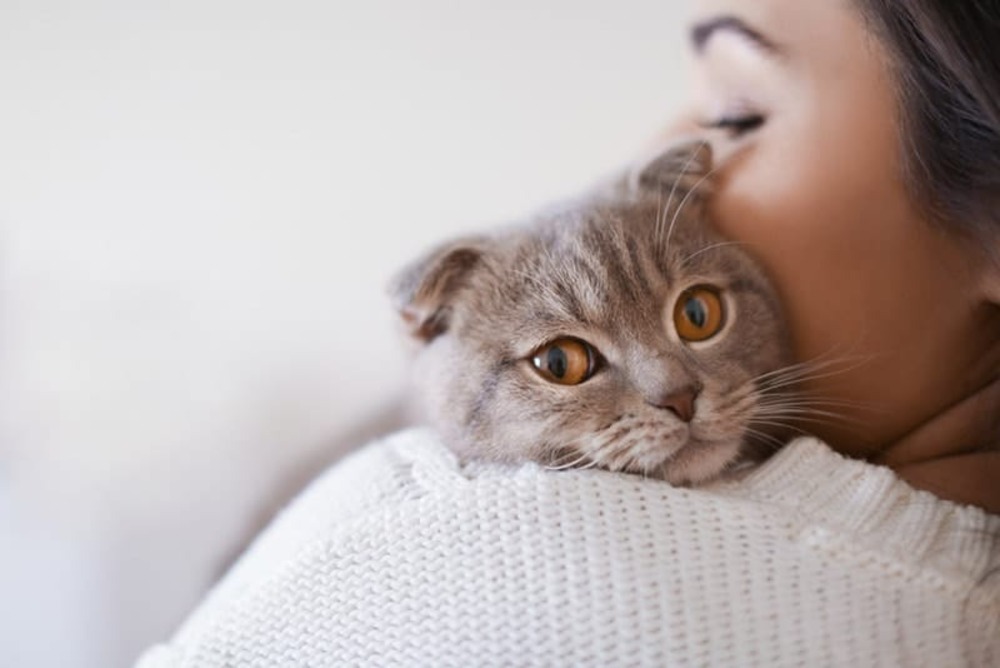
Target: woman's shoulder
[[805, 487], [403, 553]]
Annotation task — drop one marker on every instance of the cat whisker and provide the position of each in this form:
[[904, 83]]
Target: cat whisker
[[662, 219], [564, 467], [683, 203], [722, 244], [788, 399], [765, 439], [798, 412], [767, 402], [838, 413], [776, 424], [618, 455], [764, 436], [819, 363], [798, 407], [660, 216], [804, 375], [813, 400], [569, 465], [583, 461], [809, 417], [739, 399]]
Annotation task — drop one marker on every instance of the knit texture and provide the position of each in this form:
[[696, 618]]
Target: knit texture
[[402, 556]]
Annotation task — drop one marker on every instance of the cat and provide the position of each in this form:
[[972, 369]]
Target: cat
[[618, 331]]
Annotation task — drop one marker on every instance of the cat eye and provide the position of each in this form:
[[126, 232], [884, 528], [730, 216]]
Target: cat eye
[[566, 361], [699, 314]]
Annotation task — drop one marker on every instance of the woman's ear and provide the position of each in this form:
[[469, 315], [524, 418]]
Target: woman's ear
[[425, 292]]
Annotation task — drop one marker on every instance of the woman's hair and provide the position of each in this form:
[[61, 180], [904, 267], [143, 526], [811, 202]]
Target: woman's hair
[[946, 61]]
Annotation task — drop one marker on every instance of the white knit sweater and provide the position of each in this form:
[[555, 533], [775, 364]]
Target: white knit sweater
[[399, 556]]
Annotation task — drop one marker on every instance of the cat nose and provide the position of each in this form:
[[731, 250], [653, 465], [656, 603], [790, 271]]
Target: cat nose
[[679, 402]]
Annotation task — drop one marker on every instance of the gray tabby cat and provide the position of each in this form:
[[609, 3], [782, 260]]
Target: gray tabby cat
[[618, 332]]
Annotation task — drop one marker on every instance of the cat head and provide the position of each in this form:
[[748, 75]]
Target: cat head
[[617, 331]]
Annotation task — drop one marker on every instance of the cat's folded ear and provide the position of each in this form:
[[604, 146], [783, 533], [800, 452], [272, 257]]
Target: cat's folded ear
[[682, 168], [425, 292]]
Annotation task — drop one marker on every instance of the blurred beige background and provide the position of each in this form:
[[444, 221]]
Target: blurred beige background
[[200, 205]]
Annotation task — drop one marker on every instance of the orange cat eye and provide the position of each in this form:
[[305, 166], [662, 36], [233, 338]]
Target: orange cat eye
[[699, 314], [565, 361]]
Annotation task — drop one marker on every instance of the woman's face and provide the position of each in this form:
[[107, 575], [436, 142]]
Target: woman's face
[[811, 182]]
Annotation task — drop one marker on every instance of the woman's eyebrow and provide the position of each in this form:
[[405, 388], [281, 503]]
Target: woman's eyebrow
[[703, 31]]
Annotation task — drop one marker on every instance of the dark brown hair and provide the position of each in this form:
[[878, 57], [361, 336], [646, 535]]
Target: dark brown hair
[[946, 60]]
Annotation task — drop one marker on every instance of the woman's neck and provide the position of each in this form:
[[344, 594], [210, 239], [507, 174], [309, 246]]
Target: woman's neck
[[956, 454]]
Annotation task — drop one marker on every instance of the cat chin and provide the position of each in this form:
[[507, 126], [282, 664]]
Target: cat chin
[[676, 455], [699, 463]]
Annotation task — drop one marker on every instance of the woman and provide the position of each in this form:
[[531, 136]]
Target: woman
[[868, 182], [862, 144]]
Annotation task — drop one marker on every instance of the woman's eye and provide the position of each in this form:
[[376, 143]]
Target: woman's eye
[[738, 125], [699, 314], [566, 361]]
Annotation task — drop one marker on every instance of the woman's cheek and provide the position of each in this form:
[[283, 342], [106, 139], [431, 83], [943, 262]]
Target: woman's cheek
[[816, 245]]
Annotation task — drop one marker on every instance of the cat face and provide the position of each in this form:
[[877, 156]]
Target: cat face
[[617, 332]]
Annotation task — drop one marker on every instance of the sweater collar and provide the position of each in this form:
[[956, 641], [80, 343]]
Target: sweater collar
[[824, 491]]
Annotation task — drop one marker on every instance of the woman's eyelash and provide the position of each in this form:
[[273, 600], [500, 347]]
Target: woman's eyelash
[[736, 125]]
